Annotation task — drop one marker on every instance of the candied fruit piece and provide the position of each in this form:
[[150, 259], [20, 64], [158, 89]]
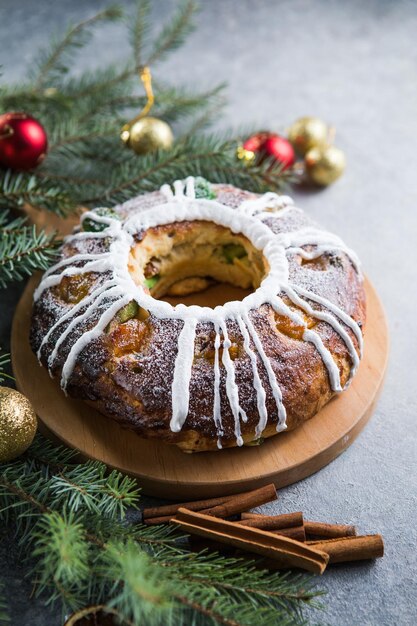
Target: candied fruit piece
[[128, 337], [151, 282], [72, 289], [286, 326], [233, 251], [203, 189], [93, 226], [127, 312]]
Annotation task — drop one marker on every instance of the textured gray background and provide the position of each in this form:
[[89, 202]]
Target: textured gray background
[[355, 65]]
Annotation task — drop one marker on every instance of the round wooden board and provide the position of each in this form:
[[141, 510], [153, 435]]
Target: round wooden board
[[164, 470]]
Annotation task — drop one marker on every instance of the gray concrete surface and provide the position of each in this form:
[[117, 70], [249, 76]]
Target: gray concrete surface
[[355, 65]]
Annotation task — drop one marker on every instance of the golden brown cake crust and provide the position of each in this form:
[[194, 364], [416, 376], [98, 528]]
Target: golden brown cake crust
[[127, 372]]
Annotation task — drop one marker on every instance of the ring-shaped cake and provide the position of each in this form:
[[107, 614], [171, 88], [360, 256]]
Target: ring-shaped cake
[[200, 377]]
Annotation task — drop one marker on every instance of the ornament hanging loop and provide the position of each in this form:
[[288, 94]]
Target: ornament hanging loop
[[146, 134], [146, 78]]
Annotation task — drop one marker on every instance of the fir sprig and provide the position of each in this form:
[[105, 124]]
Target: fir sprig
[[23, 250], [70, 517], [87, 164], [56, 61], [4, 362], [174, 34], [81, 556]]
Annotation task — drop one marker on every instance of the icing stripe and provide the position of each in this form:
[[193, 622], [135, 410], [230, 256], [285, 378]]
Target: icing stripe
[[257, 383], [327, 317], [182, 375], [333, 370], [216, 401], [91, 266], [75, 259], [231, 386], [69, 314], [276, 391], [89, 336], [81, 318], [336, 310]]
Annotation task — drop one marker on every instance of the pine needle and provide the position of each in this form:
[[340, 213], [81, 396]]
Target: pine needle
[[24, 250], [84, 554]]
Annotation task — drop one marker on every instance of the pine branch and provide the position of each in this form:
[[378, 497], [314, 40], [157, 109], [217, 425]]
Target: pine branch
[[18, 189], [53, 63], [173, 34], [82, 555], [24, 250], [145, 594], [61, 551], [139, 30], [4, 361]]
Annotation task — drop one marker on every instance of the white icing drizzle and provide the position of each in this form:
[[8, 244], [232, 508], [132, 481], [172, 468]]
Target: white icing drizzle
[[330, 319], [332, 369], [257, 383], [334, 309], [182, 375], [231, 386], [217, 416], [77, 307], [81, 318], [119, 288], [89, 336], [276, 391], [74, 259]]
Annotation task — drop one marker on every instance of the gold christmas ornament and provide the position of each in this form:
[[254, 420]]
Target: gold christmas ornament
[[17, 424], [146, 134], [307, 133], [324, 165]]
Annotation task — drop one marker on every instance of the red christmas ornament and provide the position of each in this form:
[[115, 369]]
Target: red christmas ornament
[[256, 142], [265, 144], [23, 141], [281, 149]]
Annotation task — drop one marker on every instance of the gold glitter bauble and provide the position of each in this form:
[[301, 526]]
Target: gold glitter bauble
[[325, 165], [147, 135], [307, 133], [17, 424], [247, 156]]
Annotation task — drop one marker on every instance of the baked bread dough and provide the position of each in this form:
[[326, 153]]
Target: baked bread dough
[[199, 377]]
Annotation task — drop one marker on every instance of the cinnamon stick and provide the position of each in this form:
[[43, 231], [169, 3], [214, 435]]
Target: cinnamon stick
[[330, 531], [297, 532], [351, 548], [169, 510], [243, 501], [284, 551], [272, 522]]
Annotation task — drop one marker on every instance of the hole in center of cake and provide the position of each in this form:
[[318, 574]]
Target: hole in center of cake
[[196, 262]]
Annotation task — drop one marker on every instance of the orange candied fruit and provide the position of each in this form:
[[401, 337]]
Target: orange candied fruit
[[72, 289], [128, 337], [289, 328]]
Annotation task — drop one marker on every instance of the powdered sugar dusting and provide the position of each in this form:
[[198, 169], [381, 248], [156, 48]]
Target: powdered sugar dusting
[[255, 218]]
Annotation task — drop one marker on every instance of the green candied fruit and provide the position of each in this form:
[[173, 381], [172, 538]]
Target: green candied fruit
[[92, 226], [128, 312], [203, 189], [151, 282], [233, 251], [255, 442]]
